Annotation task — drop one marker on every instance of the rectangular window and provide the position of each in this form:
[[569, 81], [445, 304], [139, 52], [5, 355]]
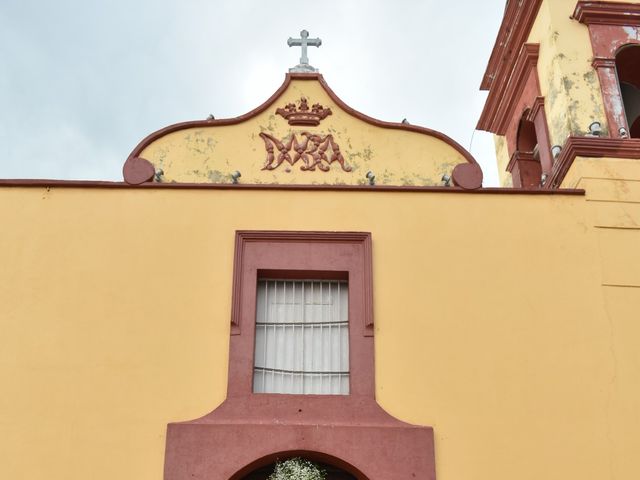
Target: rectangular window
[[302, 337]]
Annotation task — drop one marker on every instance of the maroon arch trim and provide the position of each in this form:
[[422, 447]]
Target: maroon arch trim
[[310, 455], [466, 178]]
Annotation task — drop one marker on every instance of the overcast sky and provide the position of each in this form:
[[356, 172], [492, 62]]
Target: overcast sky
[[82, 82]]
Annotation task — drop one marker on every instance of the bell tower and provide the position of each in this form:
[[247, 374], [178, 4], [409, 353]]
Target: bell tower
[[564, 93]]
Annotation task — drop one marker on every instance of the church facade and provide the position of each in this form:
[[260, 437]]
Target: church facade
[[305, 280]]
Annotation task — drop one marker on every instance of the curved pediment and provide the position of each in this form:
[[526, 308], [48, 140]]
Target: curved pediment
[[304, 134]]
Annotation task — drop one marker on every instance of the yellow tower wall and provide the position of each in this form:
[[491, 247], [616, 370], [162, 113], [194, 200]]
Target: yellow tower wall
[[492, 323], [502, 157], [568, 81]]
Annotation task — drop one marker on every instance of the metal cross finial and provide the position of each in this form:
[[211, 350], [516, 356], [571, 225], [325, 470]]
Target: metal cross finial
[[304, 41]]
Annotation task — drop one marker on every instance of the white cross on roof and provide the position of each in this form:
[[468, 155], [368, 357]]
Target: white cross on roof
[[304, 41]]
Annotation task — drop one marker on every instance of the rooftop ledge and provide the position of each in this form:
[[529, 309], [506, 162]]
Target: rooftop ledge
[[230, 186]]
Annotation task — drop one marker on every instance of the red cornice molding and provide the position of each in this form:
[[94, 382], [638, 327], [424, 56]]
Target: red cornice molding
[[517, 22], [500, 103], [593, 147], [602, 62], [607, 13], [40, 183]]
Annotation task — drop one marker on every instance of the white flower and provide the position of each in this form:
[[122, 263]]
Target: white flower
[[297, 469]]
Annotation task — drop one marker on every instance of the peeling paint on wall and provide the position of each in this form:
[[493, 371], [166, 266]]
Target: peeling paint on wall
[[211, 154]]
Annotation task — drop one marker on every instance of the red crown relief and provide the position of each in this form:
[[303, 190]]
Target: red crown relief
[[301, 115]]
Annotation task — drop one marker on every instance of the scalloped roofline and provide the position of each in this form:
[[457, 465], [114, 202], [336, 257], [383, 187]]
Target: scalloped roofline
[[278, 93]]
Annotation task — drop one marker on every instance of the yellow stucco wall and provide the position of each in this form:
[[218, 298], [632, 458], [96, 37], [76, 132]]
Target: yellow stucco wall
[[613, 205], [492, 325], [502, 157], [210, 154]]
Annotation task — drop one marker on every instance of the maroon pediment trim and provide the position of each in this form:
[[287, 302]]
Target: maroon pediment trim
[[593, 147], [467, 178], [607, 13]]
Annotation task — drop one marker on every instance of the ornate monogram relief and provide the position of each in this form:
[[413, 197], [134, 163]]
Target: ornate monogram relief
[[301, 115], [312, 151]]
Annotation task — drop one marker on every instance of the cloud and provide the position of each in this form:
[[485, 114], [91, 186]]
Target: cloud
[[83, 82]]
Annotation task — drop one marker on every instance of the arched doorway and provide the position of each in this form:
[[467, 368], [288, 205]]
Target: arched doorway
[[336, 468], [333, 473]]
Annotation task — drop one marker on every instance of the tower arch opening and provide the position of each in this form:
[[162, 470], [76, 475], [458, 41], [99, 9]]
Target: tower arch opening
[[627, 61], [527, 170], [527, 140]]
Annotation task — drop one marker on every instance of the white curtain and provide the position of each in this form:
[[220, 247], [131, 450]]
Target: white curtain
[[302, 337]]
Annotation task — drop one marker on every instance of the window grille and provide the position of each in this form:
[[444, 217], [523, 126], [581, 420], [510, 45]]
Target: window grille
[[302, 337]]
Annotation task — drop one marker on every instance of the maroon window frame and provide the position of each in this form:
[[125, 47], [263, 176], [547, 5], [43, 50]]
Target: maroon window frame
[[294, 255]]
